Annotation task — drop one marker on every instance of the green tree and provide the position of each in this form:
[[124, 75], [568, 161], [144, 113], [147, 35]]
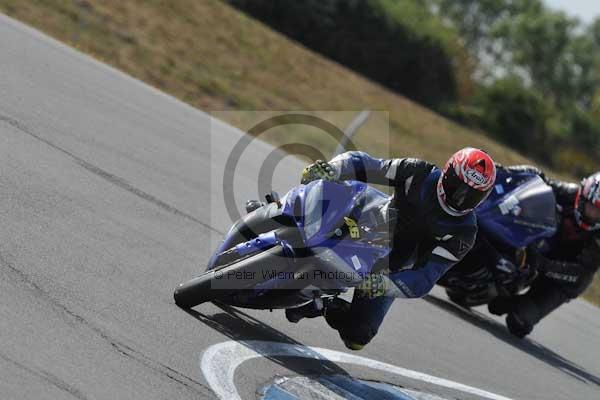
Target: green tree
[[544, 46], [523, 37], [476, 22], [515, 114], [555, 101], [475, 19]]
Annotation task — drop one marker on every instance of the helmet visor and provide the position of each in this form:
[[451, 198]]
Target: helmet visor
[[460, 196]]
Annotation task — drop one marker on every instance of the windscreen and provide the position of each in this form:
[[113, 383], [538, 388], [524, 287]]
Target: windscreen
[[375, 213], [326, 204], [533, 202], [313, 210]]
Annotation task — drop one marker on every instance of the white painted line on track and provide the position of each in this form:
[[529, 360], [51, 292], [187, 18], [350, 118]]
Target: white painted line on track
[[219, 362]]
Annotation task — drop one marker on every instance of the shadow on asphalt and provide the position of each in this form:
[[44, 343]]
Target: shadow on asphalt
[[244, 328], [527, 345]]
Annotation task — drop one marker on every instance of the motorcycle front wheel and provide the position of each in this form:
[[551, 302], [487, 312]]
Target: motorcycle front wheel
[[198, 290], [213, 285]]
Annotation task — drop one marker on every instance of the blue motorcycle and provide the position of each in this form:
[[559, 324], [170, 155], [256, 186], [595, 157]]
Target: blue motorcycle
[[519, 213], [313, 244]]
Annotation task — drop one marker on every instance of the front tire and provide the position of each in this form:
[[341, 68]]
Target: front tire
[[198, 290], [207, 286]]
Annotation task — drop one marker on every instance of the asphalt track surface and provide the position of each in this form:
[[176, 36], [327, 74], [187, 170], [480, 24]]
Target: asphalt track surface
[[110, 196]]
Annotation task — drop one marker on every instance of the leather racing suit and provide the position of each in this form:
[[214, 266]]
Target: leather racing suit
[[426, 241]]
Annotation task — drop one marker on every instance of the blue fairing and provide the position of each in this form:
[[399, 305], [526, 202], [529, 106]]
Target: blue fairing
[[325, 204], [519, 211], [319, 209]]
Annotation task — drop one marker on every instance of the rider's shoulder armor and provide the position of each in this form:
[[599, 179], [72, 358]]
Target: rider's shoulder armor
[[407, 167], [565, 193], [410, 174]]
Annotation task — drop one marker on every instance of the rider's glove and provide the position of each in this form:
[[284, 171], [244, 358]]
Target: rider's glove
[[505, 270], [505, 265], [319, 170], [372, 286]]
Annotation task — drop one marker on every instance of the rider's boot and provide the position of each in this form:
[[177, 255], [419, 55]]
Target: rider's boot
[[337, 312], [310, 310], [518, 326], [523, 316], [354, 334], [500, 305]]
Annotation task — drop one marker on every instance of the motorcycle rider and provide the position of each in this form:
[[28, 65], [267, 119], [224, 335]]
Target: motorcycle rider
[[566, 262], [434, 229]]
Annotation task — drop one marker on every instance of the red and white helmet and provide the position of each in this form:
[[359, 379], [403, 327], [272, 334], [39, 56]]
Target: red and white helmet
[[587, 203], [466, 181]]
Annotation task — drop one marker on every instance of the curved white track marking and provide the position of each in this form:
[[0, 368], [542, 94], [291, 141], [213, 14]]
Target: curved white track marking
[[219, 362]]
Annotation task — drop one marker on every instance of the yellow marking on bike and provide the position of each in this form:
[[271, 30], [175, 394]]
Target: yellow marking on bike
[[352, 227]]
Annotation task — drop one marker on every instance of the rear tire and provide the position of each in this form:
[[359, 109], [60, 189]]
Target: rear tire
[[197, 291]]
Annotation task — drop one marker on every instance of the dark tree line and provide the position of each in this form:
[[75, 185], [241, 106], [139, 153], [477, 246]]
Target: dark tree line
[[365, 36], [527, 74]]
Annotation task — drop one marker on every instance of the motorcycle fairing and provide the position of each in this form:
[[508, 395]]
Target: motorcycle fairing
[[320, 211], [519, 211]]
